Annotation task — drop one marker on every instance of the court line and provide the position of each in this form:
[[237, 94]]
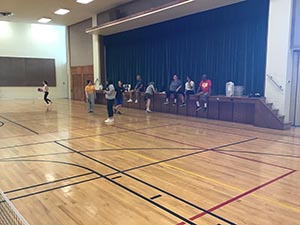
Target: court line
[[235, 133], [1, 124], [20, 125], [46, 183], [81, 137], [144, 182], [106, 178], [239, 196], [261, 153], [213, 149]]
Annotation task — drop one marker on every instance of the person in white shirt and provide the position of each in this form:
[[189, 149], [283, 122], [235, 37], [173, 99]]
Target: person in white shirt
[[189, 89], [110, 97]]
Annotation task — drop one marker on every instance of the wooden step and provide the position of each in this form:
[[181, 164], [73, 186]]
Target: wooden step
[[269, 105], [275, 111], [281, 118], [287, 126]]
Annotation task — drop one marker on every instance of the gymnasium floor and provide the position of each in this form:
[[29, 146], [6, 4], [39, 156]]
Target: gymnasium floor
[[65, 166]]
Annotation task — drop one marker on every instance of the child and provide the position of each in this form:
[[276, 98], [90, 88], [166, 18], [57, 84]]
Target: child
[[150, 90], [46, 92], [119, 97], [90, 95], [110, 97]]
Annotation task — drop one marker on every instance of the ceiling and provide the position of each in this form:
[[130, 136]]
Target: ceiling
[[143, 19], [29, 11]]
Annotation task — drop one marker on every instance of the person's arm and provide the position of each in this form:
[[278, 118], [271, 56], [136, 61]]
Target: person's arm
[[110, 90], [179, 86], [140, 87]]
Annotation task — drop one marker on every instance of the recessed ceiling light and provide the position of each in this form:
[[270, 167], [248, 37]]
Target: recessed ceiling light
[[84, 1], [62, 11], [44, 20]]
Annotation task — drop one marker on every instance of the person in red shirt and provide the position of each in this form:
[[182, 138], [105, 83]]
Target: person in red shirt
[[204, 90]]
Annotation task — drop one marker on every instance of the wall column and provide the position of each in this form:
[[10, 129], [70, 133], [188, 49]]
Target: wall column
[[279, 55]]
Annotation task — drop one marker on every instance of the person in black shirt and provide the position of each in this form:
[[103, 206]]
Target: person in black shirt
[[119, 97]]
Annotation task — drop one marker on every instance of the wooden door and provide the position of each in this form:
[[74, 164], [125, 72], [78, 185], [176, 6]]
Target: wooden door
[[77, 92]]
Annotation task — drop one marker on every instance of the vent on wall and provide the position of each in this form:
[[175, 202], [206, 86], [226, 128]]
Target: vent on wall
[[4, 14]]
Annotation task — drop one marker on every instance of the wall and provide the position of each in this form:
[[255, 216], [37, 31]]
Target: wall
[[40, 41], [279, 55], [80, 44]]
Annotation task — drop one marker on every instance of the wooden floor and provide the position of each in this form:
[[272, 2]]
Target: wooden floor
[[65, 166]]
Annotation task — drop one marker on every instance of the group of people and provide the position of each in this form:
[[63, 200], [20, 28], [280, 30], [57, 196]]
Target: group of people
[[114, 94]]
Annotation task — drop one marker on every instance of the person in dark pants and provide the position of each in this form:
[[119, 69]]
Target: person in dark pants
[[203, 92], [175, 89], [119, 97], [110, 97], [46, 92]]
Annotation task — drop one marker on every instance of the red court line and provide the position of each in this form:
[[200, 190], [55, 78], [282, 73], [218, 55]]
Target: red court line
[[254, 160], [238, 197]]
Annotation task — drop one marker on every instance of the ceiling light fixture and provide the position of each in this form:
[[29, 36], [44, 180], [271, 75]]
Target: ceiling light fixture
[[62, 11], [44, 20], [6, 14], [84, 1]]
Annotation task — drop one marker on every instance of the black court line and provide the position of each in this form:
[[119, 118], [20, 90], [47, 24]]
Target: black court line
[[108, 179], [20, 125], [46, 183], [117, 177], [262, 153], [156, 196], [81, 137], [1, 124], [155, 187]]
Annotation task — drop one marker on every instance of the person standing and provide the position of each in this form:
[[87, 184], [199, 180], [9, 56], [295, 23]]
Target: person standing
[[119, 97], [110, 97], [203, 92], [150, 90], [175, 89], [90, 94], [138, 88], [46, 92]]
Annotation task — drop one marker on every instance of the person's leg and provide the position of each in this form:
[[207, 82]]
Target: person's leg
[[168, 93], [136, 96], [45, 97], [130, 96], [198, 106], [205, 100], [182, 96], [175, 93]]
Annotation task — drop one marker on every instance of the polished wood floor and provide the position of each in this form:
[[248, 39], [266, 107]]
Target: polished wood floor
[[65, 166]]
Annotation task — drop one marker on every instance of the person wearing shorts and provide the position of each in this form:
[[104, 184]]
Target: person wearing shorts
[[150, 90]]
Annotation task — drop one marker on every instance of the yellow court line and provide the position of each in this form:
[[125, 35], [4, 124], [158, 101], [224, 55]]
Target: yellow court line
[[211, 180]]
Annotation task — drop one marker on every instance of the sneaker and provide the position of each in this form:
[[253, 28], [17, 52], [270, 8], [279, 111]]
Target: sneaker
[[109, 120], [148, 111], [136, 101], [182, 105], [130, 100], [119, 113], [174, 104], [198, 108], [166, 103], [91, 111]]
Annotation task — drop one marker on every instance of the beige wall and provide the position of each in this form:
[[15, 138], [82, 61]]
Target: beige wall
[[35, 41], [80, 44]]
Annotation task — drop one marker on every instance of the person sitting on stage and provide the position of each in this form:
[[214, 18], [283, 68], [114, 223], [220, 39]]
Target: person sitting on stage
[[189, 89], [137, 89], [203, 92], [119, 97], [175, 89], [150, 90]]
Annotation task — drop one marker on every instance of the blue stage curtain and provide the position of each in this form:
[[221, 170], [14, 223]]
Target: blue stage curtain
[[227, 43]]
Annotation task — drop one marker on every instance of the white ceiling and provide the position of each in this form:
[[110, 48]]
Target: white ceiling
[[29, 11]]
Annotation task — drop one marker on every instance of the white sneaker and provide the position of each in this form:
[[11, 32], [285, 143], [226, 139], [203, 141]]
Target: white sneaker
[[109, 120], [148, 111], [166, 103], [130, 100], [136, 101]]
